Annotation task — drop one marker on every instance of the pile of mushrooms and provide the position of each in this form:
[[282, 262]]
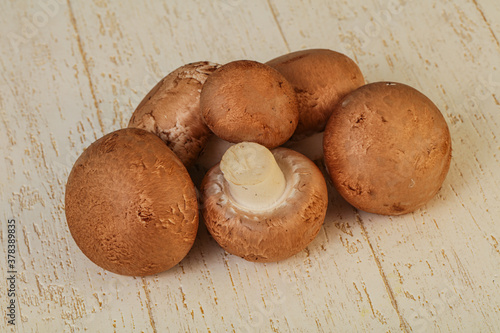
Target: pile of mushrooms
[[241, 133]]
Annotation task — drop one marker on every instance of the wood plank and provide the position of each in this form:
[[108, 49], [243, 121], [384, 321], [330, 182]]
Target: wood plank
[[49, 115], [441, 263], [72, 71], [488, 10], [232, 300]]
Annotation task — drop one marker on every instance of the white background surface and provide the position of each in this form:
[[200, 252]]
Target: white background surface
[[74, 71]]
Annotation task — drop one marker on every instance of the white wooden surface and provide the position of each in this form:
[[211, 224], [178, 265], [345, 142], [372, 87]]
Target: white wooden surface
[[72, 71]]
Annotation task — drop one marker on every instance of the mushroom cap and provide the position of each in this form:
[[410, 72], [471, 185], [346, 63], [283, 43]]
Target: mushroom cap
[[171, 110], [130, 204], [248, 101], [387, 148], [320, 78], [274, 234]]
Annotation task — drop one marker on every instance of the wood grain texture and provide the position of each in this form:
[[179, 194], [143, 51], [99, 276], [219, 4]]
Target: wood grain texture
[[74, 71]]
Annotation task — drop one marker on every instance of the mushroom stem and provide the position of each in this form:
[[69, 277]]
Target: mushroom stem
[[254, 178]]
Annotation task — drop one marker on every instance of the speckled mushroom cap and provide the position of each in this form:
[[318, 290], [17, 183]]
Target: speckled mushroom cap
[[130, 204], [320, 78], [171, 110], [248, 101], [269, 235], [387, 148]]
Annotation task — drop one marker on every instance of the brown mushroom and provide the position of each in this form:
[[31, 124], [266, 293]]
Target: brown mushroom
[[320, 78], [264, 206], [387, 148], [171, 110], [249, 101], [130, 204]]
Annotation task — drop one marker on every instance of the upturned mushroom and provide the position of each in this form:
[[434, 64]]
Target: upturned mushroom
[[387, 148], [248, 101], [171, 110], [130, 204], [264, 206], [320, 78]]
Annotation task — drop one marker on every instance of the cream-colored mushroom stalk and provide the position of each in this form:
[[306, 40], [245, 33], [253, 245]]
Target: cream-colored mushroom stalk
[[255, 180]]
